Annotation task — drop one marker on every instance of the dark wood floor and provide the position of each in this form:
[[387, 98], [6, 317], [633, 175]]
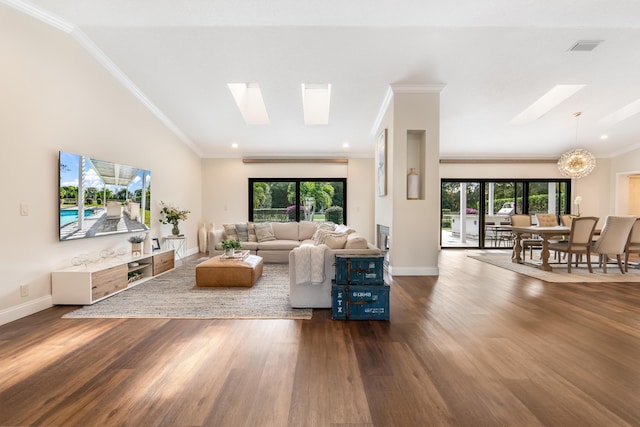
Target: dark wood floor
[[477, 346]]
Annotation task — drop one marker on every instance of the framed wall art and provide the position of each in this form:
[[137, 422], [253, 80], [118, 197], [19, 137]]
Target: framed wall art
[[381, 154]]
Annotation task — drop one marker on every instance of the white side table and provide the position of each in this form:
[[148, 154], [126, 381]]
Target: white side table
[[178, 244]]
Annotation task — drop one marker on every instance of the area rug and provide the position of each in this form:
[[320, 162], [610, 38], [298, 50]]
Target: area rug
[[175, 295], [559, 273]]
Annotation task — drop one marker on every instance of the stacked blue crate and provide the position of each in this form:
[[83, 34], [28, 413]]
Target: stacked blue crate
[[359, 292]]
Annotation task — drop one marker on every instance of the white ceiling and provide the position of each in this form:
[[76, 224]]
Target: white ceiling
[[494, 57]]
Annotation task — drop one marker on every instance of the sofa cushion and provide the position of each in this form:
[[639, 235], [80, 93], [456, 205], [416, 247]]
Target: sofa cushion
[[243, 232], [335, 240], [264, 232], [306, 229], [251, 246], [356, 241], [251, 230], [278, 245], [285, 230], [230, 231]]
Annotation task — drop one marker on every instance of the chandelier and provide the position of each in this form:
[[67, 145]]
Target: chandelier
[[576, 163]]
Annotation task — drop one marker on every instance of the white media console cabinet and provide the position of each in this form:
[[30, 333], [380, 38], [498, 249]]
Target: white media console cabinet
[[83, 285]]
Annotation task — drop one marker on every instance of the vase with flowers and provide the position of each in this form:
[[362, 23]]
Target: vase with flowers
[[136, 245], [230, 246], [577, 202], [172, 215]]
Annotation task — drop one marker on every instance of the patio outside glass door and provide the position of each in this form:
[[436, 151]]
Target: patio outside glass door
[[460, 222], [499, 204]]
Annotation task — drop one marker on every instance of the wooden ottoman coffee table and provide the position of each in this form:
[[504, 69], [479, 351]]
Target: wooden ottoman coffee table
[[229, 272]]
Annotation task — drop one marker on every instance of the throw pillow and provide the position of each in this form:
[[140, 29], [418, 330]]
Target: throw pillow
[[355, 241], [243, 232], [230, 231], [264, 232], [323, 235], [306, 230], [335, 240], [252, 232]]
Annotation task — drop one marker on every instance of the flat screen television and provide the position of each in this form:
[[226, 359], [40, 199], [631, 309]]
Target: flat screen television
[[99, 198]]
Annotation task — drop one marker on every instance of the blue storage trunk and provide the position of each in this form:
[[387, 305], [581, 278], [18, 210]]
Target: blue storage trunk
[[361, 302], [359, 270]]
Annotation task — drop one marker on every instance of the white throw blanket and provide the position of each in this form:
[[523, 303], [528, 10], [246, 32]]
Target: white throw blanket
[[309, 264]]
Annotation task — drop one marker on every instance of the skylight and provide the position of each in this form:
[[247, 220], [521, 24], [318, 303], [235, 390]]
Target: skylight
[[623, 113], [248, 97], [545, 103], [316, 99]]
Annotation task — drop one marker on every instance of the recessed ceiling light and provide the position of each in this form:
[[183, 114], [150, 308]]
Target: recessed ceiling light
[[545, 103], [623, 113], [316, 99], [248, 97], [345, 145], [604, 136], [234, 145]]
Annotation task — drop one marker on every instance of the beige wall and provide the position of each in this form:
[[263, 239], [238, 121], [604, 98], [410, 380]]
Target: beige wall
[[624, 168], [56, 97], [225, 195]]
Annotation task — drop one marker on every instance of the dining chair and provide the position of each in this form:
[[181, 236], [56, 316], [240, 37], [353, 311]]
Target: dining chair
[[613, 239], [547, 220], [527, 240], [566, 220], [633, 243], [580, 241]]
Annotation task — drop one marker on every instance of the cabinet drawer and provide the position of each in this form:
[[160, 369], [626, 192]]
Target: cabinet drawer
[[162, 262], [108, 281]]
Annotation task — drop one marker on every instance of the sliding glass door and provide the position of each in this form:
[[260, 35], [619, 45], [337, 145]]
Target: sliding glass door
[[459, 214], [474, 212]]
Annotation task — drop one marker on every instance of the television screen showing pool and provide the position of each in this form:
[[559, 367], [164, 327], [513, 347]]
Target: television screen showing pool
[[99, 198]]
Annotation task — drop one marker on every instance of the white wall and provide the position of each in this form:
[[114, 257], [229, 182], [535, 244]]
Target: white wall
[[225, 194], [56, 97]]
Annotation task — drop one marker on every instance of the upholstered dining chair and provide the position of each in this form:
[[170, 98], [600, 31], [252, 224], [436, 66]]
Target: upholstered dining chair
[[566, 220], [613, 239], [547, 220], [524, 220], [633, 243], [580, 241]]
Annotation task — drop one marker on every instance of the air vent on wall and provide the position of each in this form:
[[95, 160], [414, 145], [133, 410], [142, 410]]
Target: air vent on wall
[[585, 45]]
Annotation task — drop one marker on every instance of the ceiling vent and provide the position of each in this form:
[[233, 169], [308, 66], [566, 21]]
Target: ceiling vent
[[584, 45]]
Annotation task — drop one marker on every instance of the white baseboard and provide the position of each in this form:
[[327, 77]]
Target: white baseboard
[[414, 271], [19, 311]]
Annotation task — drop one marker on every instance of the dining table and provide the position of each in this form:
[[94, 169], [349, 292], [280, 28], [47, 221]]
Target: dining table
[[545, 234]]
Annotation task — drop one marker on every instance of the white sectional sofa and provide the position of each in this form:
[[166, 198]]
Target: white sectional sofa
[[285, 237], [279, 248]]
